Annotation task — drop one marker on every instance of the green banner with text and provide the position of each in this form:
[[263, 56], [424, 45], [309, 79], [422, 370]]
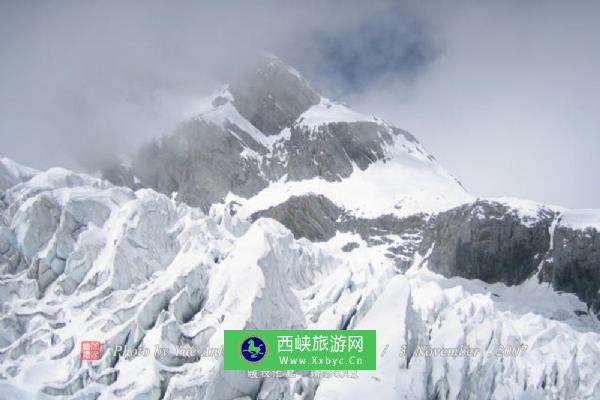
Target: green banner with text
[[299, 350]]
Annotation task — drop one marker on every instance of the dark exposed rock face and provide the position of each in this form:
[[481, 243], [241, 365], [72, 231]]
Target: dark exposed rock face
[[313, 217], [271, 97], [120, 176], [371, 228], [402, 236], [487, 241], [203, 162], [348, 247], [318, 219], [575, 264], [482, 240], [330, 150], [200, 162]]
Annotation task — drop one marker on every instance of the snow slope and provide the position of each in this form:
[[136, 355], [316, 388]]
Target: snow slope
[[82, 259], [134, 268], [406, 184], [581, 219], [407, 181]]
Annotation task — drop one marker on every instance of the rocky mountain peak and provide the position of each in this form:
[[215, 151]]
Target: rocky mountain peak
[[270, 125], [272, 95]]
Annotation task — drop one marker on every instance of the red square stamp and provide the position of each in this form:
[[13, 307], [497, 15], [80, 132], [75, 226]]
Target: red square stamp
[[91, 350]]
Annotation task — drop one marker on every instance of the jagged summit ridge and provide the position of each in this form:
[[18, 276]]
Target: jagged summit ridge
[[272, 95], [271, 126]]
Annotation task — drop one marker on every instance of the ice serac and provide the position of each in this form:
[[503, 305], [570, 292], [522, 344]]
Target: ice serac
[[399, 329], [12, 173], [85, 260]]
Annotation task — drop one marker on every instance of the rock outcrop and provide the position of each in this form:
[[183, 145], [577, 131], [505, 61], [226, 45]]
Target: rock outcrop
[[491, 241], [315, 218], [272, 95], [574, 263], [487, 240]]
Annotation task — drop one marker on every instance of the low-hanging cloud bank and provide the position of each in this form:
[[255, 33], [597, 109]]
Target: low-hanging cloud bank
[[81, 80], [510, 103], [503, 94]]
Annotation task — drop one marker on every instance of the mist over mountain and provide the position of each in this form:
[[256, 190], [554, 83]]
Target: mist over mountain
[[272, 206], [503, 93]]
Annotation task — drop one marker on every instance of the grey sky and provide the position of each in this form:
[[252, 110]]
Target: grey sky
[[505, 95]]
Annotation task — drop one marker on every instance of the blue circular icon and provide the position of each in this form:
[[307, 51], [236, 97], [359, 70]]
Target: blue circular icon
[[253, 349]]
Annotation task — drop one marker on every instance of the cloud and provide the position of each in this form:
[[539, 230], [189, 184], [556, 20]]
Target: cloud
[[510, 103], [82, 80], [503, 94]]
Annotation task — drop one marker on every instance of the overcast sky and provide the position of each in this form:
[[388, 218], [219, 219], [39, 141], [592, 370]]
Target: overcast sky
[[506, 95]]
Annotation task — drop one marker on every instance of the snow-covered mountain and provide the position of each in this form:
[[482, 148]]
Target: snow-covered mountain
[[270, 136], [274, 207]]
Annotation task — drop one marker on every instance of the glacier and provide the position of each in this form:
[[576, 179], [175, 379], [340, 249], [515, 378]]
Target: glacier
[[273, 207], [84, 259]]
